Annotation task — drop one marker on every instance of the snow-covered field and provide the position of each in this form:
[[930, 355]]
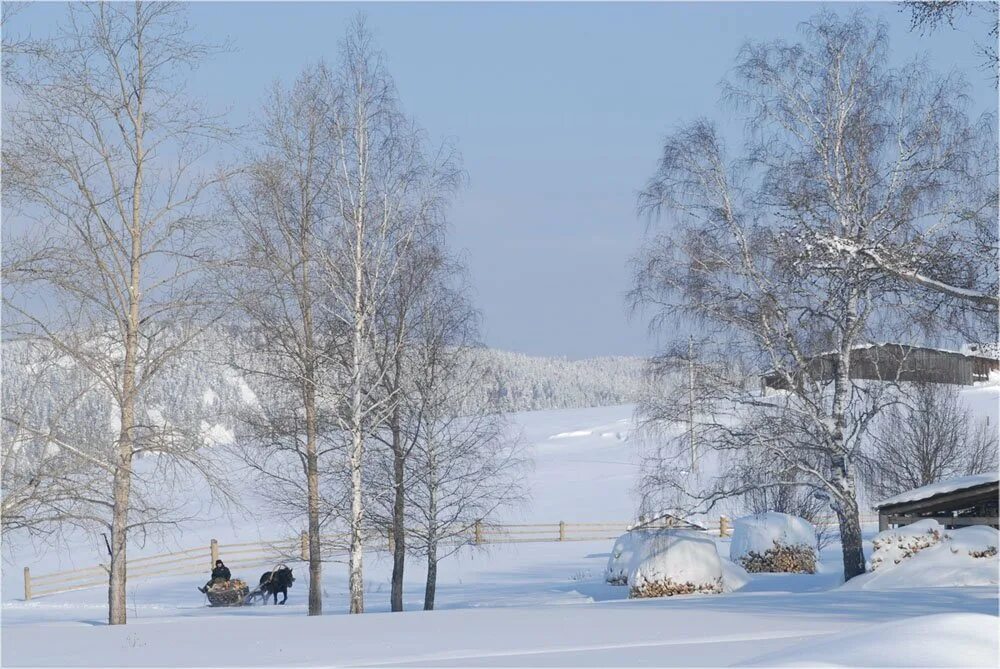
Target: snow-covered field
[[541, 604]]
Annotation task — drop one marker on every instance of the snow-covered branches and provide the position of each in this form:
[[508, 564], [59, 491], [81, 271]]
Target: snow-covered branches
[[785, 253]]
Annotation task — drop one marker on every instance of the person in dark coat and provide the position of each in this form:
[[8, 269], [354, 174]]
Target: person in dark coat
[[219, 574]]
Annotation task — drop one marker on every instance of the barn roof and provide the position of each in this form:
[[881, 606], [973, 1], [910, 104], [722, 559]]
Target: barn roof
[[939, 488]]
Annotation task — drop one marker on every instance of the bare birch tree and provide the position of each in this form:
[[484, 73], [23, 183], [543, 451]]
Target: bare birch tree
[[115, 149], [382, 174], [279, 205], [840, 147], [467, 464]]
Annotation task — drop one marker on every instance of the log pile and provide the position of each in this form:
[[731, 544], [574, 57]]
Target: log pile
[[669, 588], [899, 545], [781, 559]]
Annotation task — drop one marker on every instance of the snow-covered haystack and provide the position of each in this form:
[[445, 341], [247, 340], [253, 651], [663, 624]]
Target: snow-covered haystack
[[926, 555], [774, 542]]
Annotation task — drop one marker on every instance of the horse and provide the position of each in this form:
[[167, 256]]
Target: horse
[[272, 582]]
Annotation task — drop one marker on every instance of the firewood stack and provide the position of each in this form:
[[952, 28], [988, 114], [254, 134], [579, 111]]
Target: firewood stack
[[669, 588], [797, 559]]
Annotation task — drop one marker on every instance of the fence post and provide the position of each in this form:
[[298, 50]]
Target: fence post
[[27, 584], [562, 530], [723, 526], [214, 548], [479, 532], [304, 546], [392, 541]]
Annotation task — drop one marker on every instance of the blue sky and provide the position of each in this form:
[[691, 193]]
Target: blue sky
[[558, 110]]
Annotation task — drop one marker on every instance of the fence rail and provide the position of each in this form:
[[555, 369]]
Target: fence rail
[[198, 560]]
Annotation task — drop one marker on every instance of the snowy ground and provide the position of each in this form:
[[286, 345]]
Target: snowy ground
[[541, 604]]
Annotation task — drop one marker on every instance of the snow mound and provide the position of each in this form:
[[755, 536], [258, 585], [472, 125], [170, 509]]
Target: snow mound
[[623, 553], [774, 542], [734, 576], [924, 555], [671, 561], [893, 546], [675, 562], [572, 434], [943, 640]]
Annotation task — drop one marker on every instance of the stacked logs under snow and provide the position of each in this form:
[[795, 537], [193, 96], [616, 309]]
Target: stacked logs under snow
[[797, 559]]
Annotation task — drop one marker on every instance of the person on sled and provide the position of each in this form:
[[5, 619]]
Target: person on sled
[[219, 575]]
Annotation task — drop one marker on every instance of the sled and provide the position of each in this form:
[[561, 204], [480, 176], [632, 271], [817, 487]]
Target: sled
[[228, 593]]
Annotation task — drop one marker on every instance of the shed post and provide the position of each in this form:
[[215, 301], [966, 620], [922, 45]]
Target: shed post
[[213, 547], [562, 530], [27, 584]]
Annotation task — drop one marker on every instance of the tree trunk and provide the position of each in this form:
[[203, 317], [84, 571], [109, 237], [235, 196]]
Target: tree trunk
[[850, 538], [847, 504], [431, 586], [119, 534], [432, 568], [357, 588], [122, 483], [312, 484], [309, 400], [398, 509]]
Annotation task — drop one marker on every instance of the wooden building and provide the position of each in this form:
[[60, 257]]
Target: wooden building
[[967, 500], [899, 362]]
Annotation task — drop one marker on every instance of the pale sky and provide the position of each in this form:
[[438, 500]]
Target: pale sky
[[558, 110]]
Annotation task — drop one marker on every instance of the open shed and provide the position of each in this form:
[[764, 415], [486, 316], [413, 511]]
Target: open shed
[[897, 362], [957, 502]]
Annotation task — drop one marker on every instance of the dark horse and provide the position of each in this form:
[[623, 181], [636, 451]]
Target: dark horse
[[273, 582]]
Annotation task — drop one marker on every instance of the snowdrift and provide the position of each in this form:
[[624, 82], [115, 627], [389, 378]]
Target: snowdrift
[[774, 542], [944, 640], [926, 555], [655, 563]]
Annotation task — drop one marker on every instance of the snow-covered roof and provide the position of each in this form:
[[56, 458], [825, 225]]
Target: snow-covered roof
[[939, 488]]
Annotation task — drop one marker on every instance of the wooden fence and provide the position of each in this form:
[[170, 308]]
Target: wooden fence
[[200, 560]]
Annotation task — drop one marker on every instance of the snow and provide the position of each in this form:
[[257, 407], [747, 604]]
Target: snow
[[944, 640], [939, 488], [215, 435], [758, 533], [893, 545], [925, 555], [209, 397], [680, 556], [676, 556], [623, 555], [639, 554], [534, 604]]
